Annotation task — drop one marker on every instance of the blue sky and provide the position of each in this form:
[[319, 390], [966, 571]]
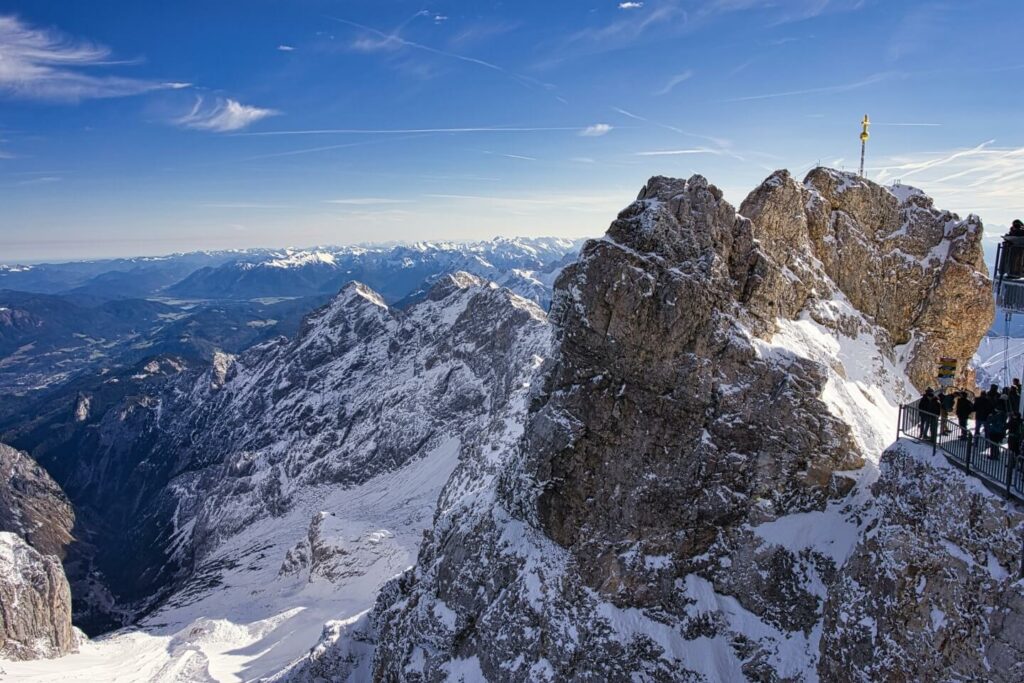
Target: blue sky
[[148, 127]]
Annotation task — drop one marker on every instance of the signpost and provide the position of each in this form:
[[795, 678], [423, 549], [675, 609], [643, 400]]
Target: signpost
[[947, 372]]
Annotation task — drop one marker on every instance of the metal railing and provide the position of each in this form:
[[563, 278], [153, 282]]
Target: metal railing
[[992, 462]]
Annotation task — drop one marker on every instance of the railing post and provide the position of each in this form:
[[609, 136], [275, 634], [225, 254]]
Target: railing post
[[1010, 458], [970, 451], [899, 422], [1022, 557]]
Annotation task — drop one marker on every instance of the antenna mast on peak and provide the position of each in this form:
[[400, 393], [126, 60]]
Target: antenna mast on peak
[[863, 141]]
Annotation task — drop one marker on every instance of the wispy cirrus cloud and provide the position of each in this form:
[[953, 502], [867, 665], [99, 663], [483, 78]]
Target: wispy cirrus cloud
[[781, 12], [373, 40], [842, 87], [45, 64], [410, 131], [983, 179], [630, 5], [680, 152], [674, 81], [367, 201], [719, 142], [223, 116]]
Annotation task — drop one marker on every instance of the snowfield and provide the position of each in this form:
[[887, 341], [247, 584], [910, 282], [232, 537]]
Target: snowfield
[[257, 621]]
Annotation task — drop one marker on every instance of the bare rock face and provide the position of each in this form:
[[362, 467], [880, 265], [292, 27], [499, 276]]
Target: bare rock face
[[36, 522], [657, 372], [35, 603], [32, 505], [932, 592], [889, 251]]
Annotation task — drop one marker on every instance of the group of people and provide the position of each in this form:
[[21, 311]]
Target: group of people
[[996, 415]]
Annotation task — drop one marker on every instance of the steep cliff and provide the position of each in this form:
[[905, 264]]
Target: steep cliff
[[32, 505], [35, 603], [693, 485], [36, 521]]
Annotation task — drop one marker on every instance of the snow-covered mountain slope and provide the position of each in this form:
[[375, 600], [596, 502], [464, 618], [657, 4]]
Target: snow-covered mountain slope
[[700, 481], [397, 272], [281, 488]]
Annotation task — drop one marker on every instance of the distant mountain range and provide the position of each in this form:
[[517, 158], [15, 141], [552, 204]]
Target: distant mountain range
[[62, 321]]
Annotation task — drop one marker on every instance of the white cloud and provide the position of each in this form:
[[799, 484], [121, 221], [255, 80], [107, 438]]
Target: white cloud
[[630, 5], [596, 130], [674, 81], [224, 116], [45, 64], [285, 48]]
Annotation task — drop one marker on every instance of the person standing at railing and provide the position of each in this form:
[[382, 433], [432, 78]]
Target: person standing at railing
[[982, 409], [928, 410], [946, 400], [964, 408], [995, 428], [1014, 394], [1013, 433]]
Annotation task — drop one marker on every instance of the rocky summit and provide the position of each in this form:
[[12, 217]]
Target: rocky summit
[[698, 493]]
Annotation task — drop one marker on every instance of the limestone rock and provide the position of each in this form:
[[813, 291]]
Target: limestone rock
[[891, 253], [35, 603], [32, 505], [932, 592]]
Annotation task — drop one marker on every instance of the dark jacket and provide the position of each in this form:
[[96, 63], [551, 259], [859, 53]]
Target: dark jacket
[[929, 404], [964, 407], [947, 401], [982, 407], [995, 427]]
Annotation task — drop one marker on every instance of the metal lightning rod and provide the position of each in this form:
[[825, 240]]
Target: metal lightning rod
[[863, 141]]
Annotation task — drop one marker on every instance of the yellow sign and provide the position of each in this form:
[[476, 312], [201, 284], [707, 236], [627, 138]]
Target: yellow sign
[[947, 371]]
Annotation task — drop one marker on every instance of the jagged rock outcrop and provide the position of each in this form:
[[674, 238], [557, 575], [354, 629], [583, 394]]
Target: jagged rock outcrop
[[35, 603], [916, 271], [680, 505], [36, 522], [32, 505], [656, 371], [934, 590]]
